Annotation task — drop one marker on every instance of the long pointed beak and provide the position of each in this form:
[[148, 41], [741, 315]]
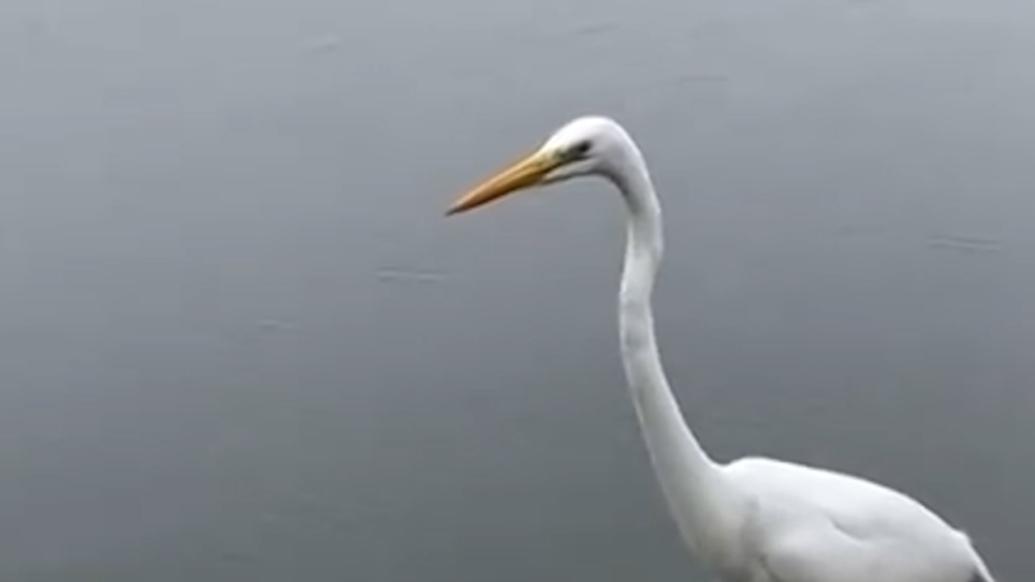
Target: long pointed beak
[[525, 173]]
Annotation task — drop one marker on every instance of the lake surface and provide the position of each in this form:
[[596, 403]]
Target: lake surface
[[238, 341]]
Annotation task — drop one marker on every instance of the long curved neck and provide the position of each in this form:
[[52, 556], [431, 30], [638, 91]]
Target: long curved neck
[[687, 476]]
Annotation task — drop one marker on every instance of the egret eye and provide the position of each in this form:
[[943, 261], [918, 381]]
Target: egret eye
[[581, 148]]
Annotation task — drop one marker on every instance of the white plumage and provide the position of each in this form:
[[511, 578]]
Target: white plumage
[[755, 519]]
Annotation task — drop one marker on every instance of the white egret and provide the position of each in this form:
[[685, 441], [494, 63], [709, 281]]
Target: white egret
[[754, 519]]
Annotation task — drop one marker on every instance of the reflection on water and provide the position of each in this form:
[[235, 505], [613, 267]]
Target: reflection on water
[[239, 342]]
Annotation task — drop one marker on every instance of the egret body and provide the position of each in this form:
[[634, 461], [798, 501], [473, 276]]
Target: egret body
[[753, 519]]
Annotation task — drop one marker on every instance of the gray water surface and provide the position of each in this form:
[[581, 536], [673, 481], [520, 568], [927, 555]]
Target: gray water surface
[[238, 341]]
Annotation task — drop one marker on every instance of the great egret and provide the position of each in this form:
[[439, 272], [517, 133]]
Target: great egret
[[755, 519]]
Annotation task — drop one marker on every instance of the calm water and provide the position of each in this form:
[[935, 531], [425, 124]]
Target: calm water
[[239, 342]]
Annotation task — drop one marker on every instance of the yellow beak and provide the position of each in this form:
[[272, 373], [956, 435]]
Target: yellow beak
[[525, 173]]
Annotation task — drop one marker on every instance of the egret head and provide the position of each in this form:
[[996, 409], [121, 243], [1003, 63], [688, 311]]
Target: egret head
[[582, 147]]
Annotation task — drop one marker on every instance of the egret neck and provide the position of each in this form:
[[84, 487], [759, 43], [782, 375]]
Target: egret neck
[[688, 477]]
